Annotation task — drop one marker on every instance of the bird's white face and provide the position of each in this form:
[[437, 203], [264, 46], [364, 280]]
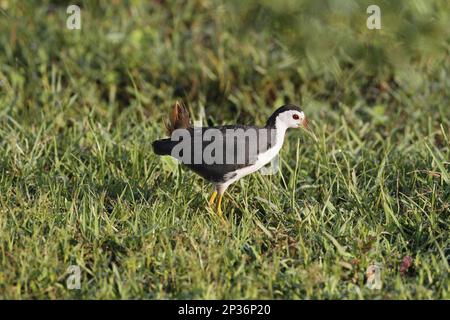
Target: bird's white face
[[293, 119]]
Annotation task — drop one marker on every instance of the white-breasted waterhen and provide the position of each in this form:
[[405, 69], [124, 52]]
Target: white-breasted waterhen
[[258, 146]]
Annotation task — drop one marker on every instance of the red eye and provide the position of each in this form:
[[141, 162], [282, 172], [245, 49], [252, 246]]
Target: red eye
[[295, 116]]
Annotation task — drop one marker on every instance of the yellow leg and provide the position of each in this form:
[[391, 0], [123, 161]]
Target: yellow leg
[[219, 205], [213, 197], [219, 209]]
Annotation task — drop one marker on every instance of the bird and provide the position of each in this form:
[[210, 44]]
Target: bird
[[225, 154]]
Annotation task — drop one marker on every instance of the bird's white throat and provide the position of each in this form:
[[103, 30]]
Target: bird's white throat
[[280, 131]]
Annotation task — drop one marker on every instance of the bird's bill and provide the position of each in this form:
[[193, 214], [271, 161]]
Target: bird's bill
[[308, 130], [305, 123]]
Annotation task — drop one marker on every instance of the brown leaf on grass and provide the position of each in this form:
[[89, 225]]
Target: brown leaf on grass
[[355, 261], [406, 264]]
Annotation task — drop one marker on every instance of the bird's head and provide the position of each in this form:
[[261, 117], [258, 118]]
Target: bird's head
[[288, 115]]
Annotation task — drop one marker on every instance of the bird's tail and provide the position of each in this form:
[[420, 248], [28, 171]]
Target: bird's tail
[[179, 118], [163, 147]]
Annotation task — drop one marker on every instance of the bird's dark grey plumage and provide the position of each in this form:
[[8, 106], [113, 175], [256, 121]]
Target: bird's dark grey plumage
[[217, 172]]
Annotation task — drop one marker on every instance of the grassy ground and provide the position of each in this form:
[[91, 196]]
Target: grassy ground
[[79, 184]]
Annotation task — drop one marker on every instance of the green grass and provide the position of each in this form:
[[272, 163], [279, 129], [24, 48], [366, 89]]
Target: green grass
[[80, 185]]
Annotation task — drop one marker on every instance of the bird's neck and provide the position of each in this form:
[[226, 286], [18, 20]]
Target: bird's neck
[[280, 131]]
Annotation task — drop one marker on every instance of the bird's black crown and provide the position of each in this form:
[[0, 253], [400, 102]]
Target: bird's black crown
[[287, 107]]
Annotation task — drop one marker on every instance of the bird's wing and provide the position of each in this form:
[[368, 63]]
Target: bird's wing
[[223, 150]]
